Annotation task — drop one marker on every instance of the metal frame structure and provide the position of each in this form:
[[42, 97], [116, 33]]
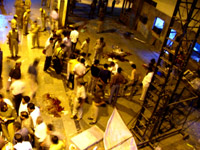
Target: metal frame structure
[[168, 95]]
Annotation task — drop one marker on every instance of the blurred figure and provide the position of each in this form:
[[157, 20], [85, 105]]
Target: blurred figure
[[102, 12], [21, 144], [68, 43], [23, 104], [33, 74], [17, 88], [56, 144], [1, 62], [26, 21], [100, 44], [43, 2], [54, 19], [92, 8], [21, 14], [27, 4], [85, 47], [43, 19], [35, 34], [79, 100], [13, 40]]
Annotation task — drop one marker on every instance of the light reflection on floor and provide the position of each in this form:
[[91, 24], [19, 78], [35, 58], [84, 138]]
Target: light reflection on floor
[[4, 27]]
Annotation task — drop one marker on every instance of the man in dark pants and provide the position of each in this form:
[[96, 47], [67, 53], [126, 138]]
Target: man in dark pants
[[48, 52]]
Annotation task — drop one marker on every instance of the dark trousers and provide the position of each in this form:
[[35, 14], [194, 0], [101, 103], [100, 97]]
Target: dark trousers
[[47, 63], [17, 100], [71, 79], [73, 46]]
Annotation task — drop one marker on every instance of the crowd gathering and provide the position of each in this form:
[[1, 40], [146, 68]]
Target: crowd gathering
[[21, 122]]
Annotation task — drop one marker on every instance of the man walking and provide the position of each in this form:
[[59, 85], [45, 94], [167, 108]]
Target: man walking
[[100, 44]]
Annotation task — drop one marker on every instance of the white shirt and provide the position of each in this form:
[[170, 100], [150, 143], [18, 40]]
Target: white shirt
[[17, 87], [22, 107], [54, 15], [114, 68], [74, 36], [49, 48], [41, 131], [34, 115], [147, 79], [8, 102], [79, 69], [81, 92], [85, 46], [25, 145]]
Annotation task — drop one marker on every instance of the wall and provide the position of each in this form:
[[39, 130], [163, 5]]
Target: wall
[[146, 29]]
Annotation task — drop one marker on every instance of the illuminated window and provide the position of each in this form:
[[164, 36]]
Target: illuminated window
[[158, 25]]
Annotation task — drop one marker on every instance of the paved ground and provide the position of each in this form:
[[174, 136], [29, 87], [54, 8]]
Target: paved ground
[[55, 84]]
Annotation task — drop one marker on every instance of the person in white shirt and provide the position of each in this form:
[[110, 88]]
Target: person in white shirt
[[7, 101], [145, 83], [79, 100], [40, 132], [113, 67], [23, 104], [79, 72], [74, 38], [48, 52], [17, 88], [68, 44], [21, 145], [34, 112]]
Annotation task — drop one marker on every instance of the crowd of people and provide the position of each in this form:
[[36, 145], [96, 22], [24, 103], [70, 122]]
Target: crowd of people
[[21, 121]]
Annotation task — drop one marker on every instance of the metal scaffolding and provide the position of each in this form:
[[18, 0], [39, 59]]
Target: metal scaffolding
[[169, 95]]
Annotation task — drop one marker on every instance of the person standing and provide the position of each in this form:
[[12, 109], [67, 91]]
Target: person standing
[[43, 19], [79, 100], [146, 82], [70, 67], [94, 77], [100, 44], [104, 77], [79, 72], [26, 20], [96, 103], [48, 52], [1, 62], [27, 4], [7, 117], [13, 40], [14, 22], [74, 35], [85, 46], [134, 78], [35, 34], [58, 59], [23, 105], [68, 43], [115, 83], [34, 113]]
